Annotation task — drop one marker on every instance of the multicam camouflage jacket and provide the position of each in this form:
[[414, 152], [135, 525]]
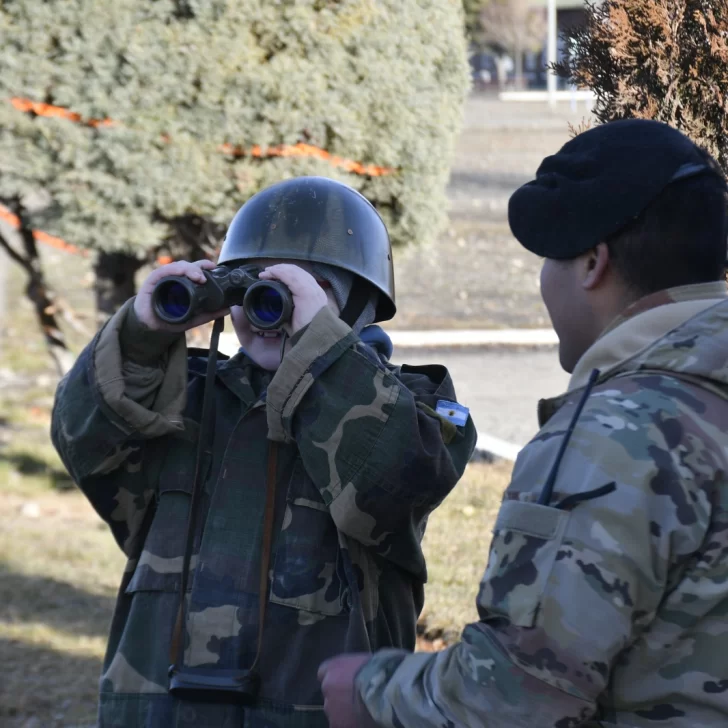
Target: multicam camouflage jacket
[[607, 605], [363, 459]]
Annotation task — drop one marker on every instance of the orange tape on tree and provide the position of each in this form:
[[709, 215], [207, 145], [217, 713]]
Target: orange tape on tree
[[283, 150], [13, 220], [59, 243], [40, 109], [311, 151]]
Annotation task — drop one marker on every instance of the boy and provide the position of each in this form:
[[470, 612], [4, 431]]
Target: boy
[[323, 464]]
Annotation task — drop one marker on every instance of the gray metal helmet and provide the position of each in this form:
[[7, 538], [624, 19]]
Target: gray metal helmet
[[319, 220]]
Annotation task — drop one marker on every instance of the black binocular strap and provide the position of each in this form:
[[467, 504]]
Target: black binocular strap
[[204, 448]]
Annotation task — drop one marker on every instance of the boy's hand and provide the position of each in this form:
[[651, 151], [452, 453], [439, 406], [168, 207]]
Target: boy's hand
[[308, 296], [143, 303]]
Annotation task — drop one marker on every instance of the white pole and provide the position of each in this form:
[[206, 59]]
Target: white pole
[[552, 51]]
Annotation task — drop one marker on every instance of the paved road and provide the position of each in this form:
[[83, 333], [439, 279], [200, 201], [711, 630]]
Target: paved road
[[501, 386]]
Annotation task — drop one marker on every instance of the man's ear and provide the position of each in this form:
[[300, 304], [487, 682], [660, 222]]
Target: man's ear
[[596, 265]]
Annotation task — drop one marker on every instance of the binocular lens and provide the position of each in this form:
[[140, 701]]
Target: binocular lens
[[266, 304], [174, 299]]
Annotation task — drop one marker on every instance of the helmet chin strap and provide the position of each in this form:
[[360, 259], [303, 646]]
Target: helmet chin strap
[[284, 341], [356, 303]]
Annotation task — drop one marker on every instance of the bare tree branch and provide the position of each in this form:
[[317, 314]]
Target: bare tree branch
[[37, 290], [12, 253]]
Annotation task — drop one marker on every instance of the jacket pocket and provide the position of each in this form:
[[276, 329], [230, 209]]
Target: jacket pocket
[[142, 628], [526, 540], [308, 572], [159, 567]]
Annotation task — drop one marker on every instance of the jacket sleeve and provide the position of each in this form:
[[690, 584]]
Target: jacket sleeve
[[570, 585], [127, 387], [369, 437]]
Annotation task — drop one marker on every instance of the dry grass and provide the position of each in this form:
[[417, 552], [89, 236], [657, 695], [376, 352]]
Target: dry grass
[[456, 545], [59, 570]]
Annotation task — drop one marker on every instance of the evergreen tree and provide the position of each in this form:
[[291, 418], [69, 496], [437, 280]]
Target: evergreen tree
[[665, 60], [146, 121]]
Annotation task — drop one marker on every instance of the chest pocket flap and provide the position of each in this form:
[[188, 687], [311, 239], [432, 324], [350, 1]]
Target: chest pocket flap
[[159, 567], [525, 544], [308, 571]]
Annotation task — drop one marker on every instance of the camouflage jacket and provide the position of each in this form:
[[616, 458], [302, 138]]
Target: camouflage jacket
[[363, 459], [608, 605]]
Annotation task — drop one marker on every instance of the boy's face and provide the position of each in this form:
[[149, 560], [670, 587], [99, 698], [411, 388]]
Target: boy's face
[[264, 347]]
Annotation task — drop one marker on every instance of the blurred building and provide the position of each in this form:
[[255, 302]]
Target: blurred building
[[485, 62]]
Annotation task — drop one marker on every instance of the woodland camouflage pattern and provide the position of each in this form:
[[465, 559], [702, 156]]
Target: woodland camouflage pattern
[[363, 460], [600, 609]]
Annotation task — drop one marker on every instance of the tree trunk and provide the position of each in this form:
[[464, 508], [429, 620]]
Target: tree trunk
[[114, 282], [193, 237], [38, 292], [501, 72]]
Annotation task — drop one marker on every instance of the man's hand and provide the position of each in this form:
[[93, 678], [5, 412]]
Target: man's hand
[[337, 684], [308, 296], [143, 302]]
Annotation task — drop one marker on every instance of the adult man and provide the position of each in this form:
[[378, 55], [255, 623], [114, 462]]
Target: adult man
[[606, 593]]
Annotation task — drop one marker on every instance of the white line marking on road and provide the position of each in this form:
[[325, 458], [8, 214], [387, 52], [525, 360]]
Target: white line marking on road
[[474, 337], [444, 339], [496, 446], [485, 443]]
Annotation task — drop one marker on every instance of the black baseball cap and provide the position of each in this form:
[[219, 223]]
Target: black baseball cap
[[599, 182]]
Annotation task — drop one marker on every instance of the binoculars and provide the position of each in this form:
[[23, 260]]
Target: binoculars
[[267, 304]]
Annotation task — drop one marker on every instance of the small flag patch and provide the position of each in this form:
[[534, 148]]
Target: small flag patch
[[453, 412]]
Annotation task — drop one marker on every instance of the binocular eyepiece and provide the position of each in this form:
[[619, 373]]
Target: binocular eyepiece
[[267, 304]]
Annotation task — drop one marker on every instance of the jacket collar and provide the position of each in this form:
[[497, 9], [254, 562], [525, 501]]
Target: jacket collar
[[642, 324]]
